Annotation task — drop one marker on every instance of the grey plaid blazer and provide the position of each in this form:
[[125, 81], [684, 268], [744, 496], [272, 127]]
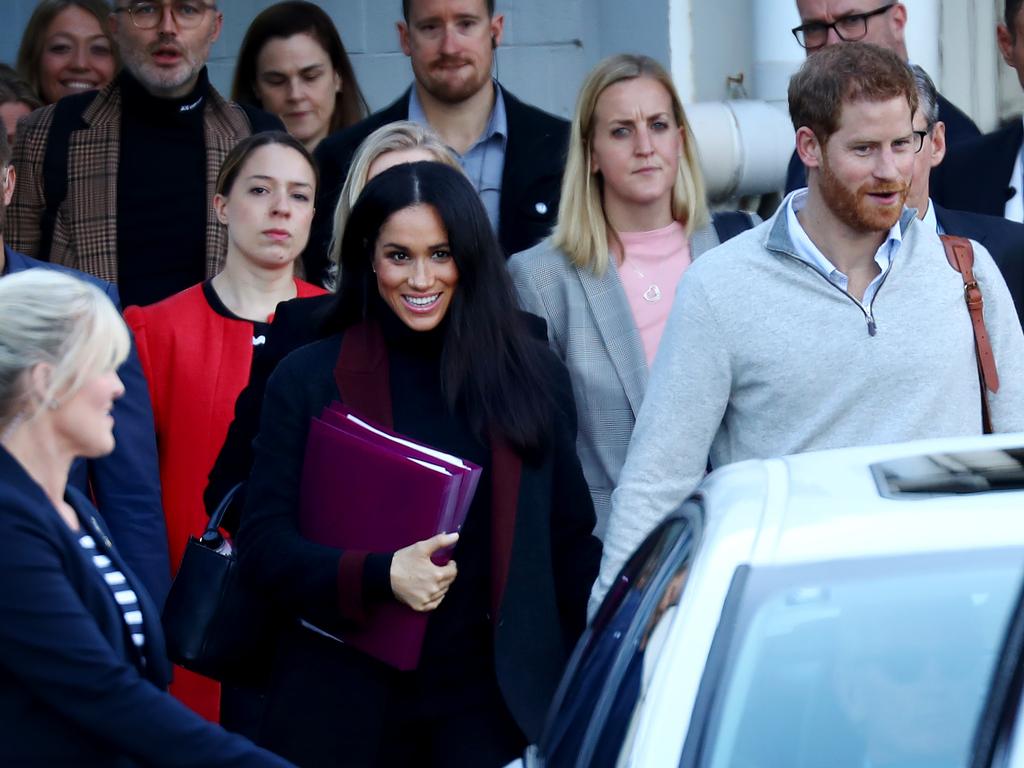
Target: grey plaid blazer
[[591, 328], [85, 234]]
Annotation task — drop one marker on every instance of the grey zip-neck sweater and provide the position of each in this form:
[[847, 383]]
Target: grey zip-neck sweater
[[762, 356]]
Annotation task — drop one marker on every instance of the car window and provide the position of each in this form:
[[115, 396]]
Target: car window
[[882, 661], [604, 679]]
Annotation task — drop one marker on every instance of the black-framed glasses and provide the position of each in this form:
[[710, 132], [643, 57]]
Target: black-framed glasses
[[188, 14], [919, 137], [849, 28]]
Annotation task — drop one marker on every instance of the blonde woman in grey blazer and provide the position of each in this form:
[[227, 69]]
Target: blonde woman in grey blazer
[[632, 167]]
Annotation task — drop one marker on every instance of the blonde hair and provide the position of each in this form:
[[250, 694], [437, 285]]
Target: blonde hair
[[583, 229], [53, 318], [393, 137]]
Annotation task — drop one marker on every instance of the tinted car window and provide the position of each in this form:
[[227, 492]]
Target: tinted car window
[[603, 680], [865, 663]]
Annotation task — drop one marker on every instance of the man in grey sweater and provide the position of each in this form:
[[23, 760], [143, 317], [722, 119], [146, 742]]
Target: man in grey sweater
[[837, 322]]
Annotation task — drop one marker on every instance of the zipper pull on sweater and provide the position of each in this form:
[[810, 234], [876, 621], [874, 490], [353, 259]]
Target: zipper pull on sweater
[[871, 324]]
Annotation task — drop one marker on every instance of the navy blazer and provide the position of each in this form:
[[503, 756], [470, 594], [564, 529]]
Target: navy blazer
[[1002, 238], [959, 129], [531, 183], [125, 484], [74, 690], [975, 176]]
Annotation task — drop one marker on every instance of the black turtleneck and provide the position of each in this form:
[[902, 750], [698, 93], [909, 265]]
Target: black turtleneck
[[161, 192], [457, 651]]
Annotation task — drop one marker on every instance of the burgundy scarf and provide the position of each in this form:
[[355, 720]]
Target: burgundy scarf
[[362, 377]]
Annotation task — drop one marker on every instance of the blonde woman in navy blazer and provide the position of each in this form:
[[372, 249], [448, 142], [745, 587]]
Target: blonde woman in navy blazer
[[82, 659], [572, 279]]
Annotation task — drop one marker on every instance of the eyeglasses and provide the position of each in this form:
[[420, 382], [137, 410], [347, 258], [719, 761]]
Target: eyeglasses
[[814, 34], [187, 14], [919, 137]]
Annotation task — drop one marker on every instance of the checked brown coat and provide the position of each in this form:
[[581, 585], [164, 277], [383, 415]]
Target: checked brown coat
[[85, 233]]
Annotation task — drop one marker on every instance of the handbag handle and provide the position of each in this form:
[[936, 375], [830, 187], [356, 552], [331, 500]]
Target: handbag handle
[[212, 533]]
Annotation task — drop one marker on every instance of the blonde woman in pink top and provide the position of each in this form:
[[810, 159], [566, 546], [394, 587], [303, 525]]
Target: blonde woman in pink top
[[633, 215]]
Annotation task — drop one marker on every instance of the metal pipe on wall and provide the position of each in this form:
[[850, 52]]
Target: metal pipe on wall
[[744, 146]]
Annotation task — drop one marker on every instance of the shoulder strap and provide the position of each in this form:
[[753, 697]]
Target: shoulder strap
[[67, 117], [728, 224], [960, 255]]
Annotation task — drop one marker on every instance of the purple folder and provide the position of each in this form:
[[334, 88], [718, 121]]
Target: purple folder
[[365, 488], [467, 473]]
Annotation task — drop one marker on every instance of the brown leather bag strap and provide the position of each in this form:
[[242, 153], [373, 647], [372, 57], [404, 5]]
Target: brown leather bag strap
[[960, 255]]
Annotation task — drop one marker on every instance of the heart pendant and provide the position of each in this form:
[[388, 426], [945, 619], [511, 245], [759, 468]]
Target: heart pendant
[[652, 294]]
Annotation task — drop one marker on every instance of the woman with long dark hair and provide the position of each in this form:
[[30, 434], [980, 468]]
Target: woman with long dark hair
[[428, 328], [292, 63]]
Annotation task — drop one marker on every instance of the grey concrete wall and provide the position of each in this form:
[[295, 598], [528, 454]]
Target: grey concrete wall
[[548, 44]]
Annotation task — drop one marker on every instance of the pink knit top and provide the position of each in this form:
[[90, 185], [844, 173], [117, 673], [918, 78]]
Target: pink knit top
[[653, 265]]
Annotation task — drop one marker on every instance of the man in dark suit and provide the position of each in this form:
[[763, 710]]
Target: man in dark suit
[[126, 483], [984, 175], [514, 154], [1003, 239], [827, 22]]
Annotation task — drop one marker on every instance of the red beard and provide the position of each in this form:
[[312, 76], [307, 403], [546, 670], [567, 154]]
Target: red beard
[[852, 206]]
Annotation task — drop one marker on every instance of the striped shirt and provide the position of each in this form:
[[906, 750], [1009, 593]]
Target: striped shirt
[[124, 595]]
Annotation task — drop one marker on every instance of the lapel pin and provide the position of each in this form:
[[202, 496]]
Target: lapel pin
[[541, 208]]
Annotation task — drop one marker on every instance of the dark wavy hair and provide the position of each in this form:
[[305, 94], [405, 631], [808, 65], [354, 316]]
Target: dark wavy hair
[[490, 364], [296, 17]]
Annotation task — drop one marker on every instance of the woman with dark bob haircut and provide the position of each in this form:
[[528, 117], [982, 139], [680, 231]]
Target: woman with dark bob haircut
[[292, 63], [429, 342]]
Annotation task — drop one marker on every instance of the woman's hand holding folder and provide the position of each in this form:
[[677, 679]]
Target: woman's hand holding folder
[[415, 580]]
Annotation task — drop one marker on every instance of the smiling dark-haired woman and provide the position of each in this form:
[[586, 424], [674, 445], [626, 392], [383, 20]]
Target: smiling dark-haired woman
[[429, 342]]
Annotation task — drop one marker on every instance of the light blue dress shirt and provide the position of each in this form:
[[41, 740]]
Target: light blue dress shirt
[[484, 162], [808, 252]]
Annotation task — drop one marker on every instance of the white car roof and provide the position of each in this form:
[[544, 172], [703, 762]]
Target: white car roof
[[827, 505], [806, 508]]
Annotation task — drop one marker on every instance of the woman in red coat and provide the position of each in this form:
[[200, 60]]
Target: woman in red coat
[[197, 347]]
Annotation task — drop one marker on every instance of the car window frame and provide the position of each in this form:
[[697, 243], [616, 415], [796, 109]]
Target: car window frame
[[679, 554], [1000, 735], [726, 635]]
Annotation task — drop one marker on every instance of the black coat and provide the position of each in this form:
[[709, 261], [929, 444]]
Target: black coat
[[73, 689], [959, 128], [530, 185], [553, 560], [975, 176], [125, 483], [1002, 238]]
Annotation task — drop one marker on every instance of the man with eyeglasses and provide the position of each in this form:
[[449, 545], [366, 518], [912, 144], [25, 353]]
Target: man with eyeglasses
[[1003, 239], [986, 175], [118, 183], [837, 322], [828, 22]]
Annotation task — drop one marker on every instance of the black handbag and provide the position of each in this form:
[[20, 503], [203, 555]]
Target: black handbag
[[215, 624]]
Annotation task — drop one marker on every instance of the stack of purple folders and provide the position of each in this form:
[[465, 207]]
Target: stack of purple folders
[[366, 488]]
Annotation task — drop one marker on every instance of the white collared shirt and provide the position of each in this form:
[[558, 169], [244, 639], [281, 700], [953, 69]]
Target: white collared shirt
[[930, 222], [808, 251], [1014, 210]]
